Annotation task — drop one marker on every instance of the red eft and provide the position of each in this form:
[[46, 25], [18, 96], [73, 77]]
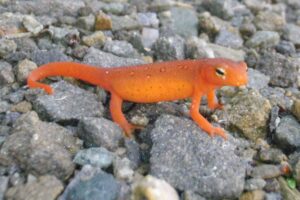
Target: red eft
[[163, 81]]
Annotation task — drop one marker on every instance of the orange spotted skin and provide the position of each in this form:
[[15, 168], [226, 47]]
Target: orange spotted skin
[[154, 82]]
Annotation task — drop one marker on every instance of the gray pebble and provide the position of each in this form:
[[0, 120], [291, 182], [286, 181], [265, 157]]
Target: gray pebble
[[97, 157], [263, 39], [100, 132], [120, 48], [6, 47], [32, 25], [6, 73], [287, 134], [266, 171], [169, 48], [91, 184], [41, 57]]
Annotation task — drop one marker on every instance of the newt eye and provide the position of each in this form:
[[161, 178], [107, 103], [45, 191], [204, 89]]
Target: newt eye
[[220, 72]]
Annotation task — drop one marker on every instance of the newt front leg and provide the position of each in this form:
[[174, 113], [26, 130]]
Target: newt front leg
[[213, 101], [200, 120]]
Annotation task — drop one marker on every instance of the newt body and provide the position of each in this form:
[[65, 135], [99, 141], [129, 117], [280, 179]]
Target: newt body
[[155, 82]]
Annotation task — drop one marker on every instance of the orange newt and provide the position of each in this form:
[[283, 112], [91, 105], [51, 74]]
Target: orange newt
[[154, 82]]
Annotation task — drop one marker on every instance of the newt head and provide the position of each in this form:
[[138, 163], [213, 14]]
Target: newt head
[[221, 71]]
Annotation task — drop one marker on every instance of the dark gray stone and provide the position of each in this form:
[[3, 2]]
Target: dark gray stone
[[291, 33], [68, 103], [228, 38], [91, 184], [169, 48], [6, 73], [287, 134], [188, 159], [100, 132], [133, 152], [282, 70], [285, 47], [6, 47], [120, 48], [41, 57], [40, 148], [184, 21], [257, 80]]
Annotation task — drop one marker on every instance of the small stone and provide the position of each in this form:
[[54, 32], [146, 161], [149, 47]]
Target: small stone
[[272, 155], [116, 8], [96, 39], [22, 107], [153, 188], [224, 52], [123, 169], [253, 195], [263, 39], [296, 108], [254, 184], [282, 70], [6, 73], [86, 22], [133, 152], [100, 58], [4, 106], [257, 80], [223, 9], [4, 181], [100, 132], [59, 33], [149, 37], [92, 183], [285, 47], [103, 22], [6, 47], [160, 5], [120, 48], [125, 22], [269, 21], [41, 57], [188, 195], [24, 68], [169, 48], [32, 25], [197, 48], [229, 38], [287, 134], [272, 185], [211, 25], [45, 187], [97, 157], [266, 171], [273, 196], [248, 114], [287, 192], [291, 33], [277, 97], [148, 19], [184, 21]]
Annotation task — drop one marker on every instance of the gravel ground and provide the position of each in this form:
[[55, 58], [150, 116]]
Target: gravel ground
[[65, 146]]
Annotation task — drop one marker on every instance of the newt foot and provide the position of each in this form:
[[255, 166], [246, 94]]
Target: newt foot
[[217, 131]]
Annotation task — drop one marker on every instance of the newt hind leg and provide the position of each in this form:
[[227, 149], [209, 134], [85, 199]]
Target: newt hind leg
[[118, 116]]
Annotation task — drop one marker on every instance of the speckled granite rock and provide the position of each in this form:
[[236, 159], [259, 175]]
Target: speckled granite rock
[[185, 156]]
